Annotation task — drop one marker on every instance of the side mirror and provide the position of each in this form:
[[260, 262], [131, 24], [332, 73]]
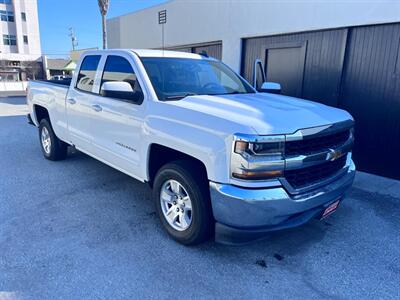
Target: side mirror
[[120, 90], [270, 87]]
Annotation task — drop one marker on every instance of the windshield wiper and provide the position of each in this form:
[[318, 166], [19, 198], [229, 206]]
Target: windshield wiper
[[233, 93], [229, 93], [178, 97]]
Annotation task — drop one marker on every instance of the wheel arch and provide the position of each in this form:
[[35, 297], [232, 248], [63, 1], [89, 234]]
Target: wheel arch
[[159, 155], [40, 112]]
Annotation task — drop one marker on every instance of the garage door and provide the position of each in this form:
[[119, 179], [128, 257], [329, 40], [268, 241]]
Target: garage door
[[284, 63], [356, 68], [213, 49]]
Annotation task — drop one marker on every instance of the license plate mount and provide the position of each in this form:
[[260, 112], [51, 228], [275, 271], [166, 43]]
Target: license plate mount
[[330, 209]]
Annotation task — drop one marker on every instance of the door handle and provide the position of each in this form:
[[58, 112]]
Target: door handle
[[97, 107], [71, 101]]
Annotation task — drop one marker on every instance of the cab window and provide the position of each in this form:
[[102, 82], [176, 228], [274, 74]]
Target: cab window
[[118, 68], [87, 73]]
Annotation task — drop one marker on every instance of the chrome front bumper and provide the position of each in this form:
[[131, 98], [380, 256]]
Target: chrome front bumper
[[246, 214]]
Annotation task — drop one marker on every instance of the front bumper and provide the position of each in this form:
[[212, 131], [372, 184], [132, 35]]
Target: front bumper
[[243, 215]]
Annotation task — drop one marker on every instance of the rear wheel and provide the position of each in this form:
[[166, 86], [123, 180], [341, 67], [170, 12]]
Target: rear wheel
[[52, 147], [183, 202]]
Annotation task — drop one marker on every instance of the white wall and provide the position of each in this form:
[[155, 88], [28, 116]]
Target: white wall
[[22, 52], [197, 21]]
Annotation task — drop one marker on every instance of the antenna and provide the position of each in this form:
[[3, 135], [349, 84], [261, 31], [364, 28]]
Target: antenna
[[74, 40], [162, 19]]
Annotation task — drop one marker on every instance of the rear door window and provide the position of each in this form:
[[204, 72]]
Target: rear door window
[[118, 68], [87, 73]]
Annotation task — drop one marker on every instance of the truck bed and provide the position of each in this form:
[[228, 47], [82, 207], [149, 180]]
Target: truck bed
[[64, 82], [51, 95]]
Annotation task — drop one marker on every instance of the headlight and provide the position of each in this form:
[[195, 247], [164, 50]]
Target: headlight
[[258, 158], [264, 148]]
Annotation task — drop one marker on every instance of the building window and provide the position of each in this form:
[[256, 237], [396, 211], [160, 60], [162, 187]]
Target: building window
[[5, 1], [6, 16], [10, 40], [23, 16], [25, 39]]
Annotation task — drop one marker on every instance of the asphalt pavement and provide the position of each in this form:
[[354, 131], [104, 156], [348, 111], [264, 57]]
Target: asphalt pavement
[[78, 229]]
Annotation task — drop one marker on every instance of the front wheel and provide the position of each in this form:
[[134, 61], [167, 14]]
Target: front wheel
[[52, 147], [183, 202]]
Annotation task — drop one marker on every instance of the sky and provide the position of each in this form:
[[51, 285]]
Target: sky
[[57, 16]]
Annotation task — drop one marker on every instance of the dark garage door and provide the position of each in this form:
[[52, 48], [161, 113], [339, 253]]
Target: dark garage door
[[357, 69], [213, 49], [284, 63], [371, 92]]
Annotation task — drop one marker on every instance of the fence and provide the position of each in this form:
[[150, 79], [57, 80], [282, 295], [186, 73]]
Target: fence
[[13, 86]]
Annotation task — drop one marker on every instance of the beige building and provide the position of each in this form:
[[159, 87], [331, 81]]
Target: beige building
[[20, 51]]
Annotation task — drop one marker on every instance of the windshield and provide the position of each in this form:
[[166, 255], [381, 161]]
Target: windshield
[[176, 78]]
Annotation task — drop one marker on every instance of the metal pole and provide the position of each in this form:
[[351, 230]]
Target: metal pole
[[163, 45]]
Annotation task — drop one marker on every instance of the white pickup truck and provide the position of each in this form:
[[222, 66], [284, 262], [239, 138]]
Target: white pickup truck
[[222, 158]]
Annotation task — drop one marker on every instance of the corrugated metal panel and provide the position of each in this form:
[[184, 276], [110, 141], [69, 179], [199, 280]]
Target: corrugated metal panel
[[284, 63], [212, 49], [182, 49], [357, 69], [371, 93], [323, 62]]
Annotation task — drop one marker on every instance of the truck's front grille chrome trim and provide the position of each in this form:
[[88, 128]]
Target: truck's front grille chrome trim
[[311, 176], [305, 161], [317, 156], [309, 146], [306, 149], [316, 132]]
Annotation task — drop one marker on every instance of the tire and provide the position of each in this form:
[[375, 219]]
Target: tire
[[200, 221], [52, 147]]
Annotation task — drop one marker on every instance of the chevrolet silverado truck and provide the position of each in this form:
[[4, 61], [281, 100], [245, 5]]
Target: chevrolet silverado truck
[[223, 159]]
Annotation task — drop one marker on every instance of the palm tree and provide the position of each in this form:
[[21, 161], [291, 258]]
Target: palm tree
[[104, 5]]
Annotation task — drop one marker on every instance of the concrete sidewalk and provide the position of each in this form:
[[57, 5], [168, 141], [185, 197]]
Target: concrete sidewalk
[[377, 184]]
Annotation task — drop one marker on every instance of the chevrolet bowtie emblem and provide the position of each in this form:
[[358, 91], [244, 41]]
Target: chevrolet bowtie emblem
[[334, 154]]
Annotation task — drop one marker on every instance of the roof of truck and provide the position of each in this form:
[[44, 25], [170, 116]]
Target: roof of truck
[[167, 53], [153, 53]]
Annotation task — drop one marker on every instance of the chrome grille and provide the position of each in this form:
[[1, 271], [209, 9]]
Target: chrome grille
[[316, 144], [308, 176], [314, 156]]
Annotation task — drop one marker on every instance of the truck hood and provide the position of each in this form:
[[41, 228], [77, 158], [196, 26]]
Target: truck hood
[[265, 113]]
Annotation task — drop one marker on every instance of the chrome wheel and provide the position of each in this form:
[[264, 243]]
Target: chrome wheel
[[176, 205], [46, 140]]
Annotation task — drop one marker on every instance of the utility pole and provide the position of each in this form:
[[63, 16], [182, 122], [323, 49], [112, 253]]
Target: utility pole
[[74, 40]]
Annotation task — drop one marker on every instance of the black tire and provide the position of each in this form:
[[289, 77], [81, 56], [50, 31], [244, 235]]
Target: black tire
[[58, 149], [187, 174]]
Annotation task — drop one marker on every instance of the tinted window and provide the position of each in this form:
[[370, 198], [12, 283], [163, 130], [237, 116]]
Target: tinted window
[[10, 40], [87, 73], [176, 77], [118, 68], [7, 16]]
